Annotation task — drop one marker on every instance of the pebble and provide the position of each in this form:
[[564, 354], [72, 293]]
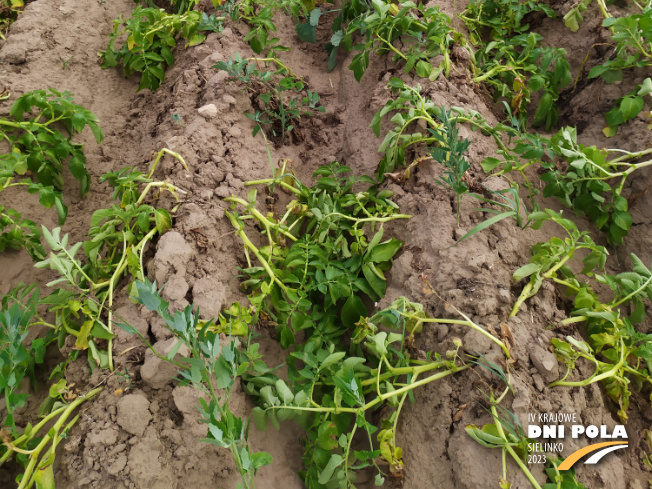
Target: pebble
[[207, 111]]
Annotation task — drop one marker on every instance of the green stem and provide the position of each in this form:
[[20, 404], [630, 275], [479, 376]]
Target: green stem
[[595, 378], [248, 244], [165, 185], [348, 451], [628, 297], [526, 293], [270, 181], [466, 322], [160, 155], [374, 401], [262, 219], [34, 457], [517, 459]]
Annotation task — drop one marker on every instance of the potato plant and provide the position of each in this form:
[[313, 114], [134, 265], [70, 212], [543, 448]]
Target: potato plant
[[329, 393], [627, 107], [83, 304], [39, 147], [35, 449], [584, 184], [150, 37], [633, 37], [9, 10], [34, 446], [318, 258], [590, 181], [310, 277], [410, 106], [621, 355], [513, 61], [515, 68], [549, 259], [424, 32], [260, 17], [500, 19]]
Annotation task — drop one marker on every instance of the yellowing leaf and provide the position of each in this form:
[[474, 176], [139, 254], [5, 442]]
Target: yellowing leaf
[[44, 477], [82, 339], [610, 131]]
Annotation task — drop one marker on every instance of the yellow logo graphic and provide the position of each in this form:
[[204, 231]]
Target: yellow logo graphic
[[602, 450]]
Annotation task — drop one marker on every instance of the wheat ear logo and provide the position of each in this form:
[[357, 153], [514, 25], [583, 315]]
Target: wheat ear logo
[[601, 450]]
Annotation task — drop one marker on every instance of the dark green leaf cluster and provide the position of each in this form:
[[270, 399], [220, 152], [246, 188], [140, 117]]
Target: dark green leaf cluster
[[37, 145], [584, 182], [329, 392], [37, 153], [425, 32], [17, 360], [517, 67], [18, 233], [500, 19], [150, 37], [627, 107], [584, 186], [512, 60], [322, 274], [633, 37], [260, 17], [307, 31]]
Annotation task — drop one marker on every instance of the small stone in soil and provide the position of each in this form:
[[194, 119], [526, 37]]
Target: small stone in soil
[[207, 111]]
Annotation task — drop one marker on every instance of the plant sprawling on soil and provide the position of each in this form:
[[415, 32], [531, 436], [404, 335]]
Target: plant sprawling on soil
[[334, 305]]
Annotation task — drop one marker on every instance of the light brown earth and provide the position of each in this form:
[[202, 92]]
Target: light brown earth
[[147, 436]]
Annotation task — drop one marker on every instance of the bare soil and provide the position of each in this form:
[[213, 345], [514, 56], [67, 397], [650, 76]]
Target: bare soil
[[144, 433]]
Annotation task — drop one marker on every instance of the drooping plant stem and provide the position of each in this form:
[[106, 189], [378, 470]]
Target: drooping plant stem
[[36, 461]]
